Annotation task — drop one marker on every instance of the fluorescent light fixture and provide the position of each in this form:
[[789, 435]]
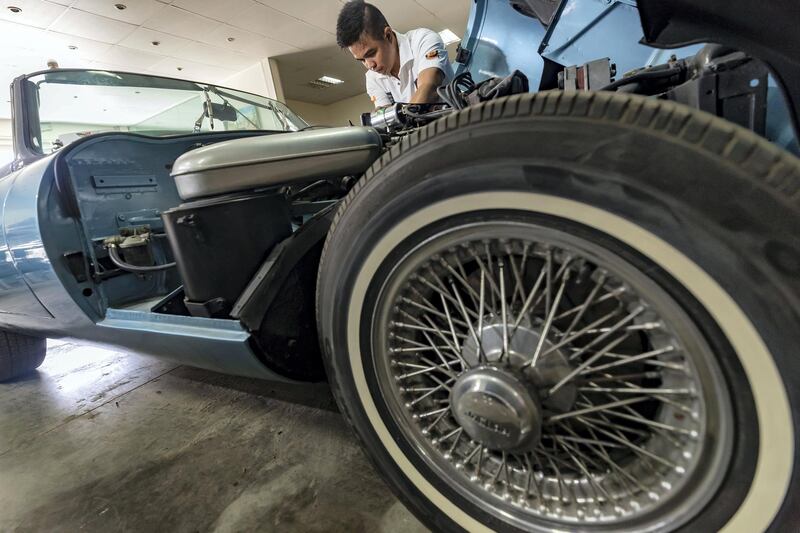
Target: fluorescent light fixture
[[330, 80], [449, 37]]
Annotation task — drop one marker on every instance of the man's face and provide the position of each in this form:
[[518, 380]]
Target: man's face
[[378, 55]]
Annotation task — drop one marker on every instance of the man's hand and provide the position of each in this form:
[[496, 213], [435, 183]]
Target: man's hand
[[429, 80]]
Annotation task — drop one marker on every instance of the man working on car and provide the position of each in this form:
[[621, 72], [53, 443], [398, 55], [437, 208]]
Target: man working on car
[[402, 68]]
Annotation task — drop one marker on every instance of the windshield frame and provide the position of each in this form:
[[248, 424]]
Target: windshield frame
[[25, 110]]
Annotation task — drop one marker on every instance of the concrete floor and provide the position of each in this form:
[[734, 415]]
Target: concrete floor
[[99, 440]]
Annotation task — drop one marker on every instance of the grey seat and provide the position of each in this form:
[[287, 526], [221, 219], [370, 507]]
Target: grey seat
[[276, 159]]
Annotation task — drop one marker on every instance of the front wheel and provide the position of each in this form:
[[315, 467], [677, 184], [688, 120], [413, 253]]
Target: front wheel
[[572, 312]]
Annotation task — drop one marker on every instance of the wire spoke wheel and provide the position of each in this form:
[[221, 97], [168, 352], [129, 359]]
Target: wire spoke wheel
[[548, 378], [572, 312]]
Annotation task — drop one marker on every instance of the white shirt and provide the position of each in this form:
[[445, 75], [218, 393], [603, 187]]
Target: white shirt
[[420, 50]]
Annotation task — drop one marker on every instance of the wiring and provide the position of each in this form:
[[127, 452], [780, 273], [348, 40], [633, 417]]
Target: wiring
[[454, 92]]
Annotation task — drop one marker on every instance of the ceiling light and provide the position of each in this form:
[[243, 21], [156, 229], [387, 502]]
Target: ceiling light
[[155, 43], [179, 68], [231, 39], [324, 82], [330, 80], [120, 6], [72, 47], [449, 37], [15, 9]]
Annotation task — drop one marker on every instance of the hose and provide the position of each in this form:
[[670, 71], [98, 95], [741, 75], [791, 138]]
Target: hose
[[113, 254], [308, 188], [454, 92]]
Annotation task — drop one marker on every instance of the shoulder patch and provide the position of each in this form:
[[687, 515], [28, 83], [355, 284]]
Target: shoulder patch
[[432, 54]]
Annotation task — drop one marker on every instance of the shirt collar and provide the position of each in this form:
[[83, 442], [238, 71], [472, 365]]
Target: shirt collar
[[406, 56]]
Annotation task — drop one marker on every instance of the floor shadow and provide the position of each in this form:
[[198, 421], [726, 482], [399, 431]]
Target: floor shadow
[[315, 395], [32, 376]]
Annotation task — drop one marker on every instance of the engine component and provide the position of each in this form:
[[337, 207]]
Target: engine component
[[718, 80], [273, 160], [461, 92], [137, 251], [220, 243], [726, 83], [592, 76], [455, 93], [497, 87], [385, 119], [398, 117], [765, 29]]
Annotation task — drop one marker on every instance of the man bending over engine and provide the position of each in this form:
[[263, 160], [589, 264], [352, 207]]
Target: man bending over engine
[[401, 68]]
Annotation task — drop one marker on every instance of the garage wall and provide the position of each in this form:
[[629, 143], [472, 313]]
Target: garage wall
[[259, 78], [6, 146], [314, 114], [336, 114], [350, 109], [251, 80]]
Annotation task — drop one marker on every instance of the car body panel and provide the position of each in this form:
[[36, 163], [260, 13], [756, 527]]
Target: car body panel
[[500, 40], [40, 295], [17, 217]]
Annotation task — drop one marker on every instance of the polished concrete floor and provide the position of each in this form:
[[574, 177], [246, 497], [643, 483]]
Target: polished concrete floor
[[99, 440]]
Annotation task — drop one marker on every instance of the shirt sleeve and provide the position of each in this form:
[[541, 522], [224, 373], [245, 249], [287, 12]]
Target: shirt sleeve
[[429, 52], [377, 93]]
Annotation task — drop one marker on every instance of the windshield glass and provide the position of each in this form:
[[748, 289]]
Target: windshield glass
[[73, 104]]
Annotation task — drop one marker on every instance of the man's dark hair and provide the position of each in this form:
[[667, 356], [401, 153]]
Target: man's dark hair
[[358, 18]]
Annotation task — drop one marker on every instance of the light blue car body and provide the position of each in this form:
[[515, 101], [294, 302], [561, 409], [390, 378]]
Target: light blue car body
[[38, 294]]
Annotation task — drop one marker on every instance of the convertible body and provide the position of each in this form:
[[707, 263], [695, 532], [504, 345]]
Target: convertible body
[[565, 297], [55, 210]]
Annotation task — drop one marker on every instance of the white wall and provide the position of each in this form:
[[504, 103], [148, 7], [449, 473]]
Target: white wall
[[336, 114], [250, 80], [260, 78], [314, 114], [350, 109]]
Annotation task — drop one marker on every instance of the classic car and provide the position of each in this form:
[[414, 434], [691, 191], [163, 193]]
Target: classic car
[[571, 308]]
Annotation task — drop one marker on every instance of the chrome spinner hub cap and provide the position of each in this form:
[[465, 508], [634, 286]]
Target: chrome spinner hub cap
[[496, 410]]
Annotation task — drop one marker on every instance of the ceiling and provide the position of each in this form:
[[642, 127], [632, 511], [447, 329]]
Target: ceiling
[[299, 68], [207, 40]]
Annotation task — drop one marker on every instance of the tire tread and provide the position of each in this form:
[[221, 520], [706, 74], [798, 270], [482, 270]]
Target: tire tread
[[20, 354]]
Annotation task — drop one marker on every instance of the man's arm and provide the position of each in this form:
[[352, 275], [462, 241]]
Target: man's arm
[[428, 82], [431, 65]]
